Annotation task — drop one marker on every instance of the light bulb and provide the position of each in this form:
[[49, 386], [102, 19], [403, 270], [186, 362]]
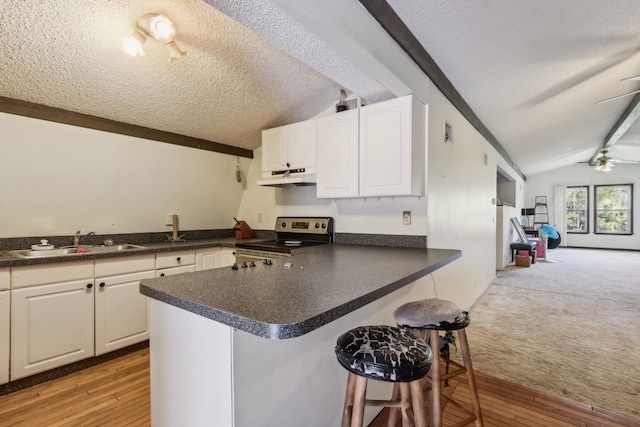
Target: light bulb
[[162, 29], [133, 45]]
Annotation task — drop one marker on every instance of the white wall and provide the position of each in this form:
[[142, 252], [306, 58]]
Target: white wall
[[542, 185], [56, 179]]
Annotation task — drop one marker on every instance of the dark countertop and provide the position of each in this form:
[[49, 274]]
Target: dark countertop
[[7, 260], [320, 286]]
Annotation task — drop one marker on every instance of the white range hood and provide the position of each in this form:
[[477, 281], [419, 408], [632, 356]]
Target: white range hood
[[298, 179]]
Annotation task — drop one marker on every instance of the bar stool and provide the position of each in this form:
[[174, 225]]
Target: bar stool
[[428, 317], [384, 353]]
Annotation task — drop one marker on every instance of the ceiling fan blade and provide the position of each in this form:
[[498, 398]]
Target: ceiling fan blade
[[630, 78], [616, 97]]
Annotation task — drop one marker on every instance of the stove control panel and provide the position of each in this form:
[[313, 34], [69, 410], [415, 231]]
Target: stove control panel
[[322, 225]]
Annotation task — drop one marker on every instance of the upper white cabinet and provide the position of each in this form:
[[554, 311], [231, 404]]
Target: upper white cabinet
[[392, 148], [289, 147], [338, 155], [378, 150]]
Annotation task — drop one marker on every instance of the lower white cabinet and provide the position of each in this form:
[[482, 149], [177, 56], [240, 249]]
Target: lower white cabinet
[[209, 258], [121, 314], [4, 335], [171, 263], [52, 325]]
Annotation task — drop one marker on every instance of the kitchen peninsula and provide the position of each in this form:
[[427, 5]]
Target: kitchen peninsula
[[254, 346]]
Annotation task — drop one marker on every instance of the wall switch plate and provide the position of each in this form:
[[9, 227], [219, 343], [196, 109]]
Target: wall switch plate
[[169, 220], [406, 217]]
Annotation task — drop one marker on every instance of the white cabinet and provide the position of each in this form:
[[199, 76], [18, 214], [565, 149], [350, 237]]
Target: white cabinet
[[392, 148], [208, 258], [289, 147], [177, 262], [378, 150], [121, 314], [52, 325], [338, 155], [4, 335]]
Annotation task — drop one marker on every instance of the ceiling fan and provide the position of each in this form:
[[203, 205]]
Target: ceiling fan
[[623, 95], [604, 163]]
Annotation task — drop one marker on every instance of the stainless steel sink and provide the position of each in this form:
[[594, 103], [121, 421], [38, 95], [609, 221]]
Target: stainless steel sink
[[81, 250]]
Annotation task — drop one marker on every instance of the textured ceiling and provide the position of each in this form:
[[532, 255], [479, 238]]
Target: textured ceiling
[[232, 84], [531, 71]]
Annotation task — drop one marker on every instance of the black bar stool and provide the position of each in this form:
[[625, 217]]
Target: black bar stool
[[384, 353], [427, 318]]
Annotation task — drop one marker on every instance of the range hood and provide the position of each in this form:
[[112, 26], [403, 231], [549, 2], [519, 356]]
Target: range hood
[[300, 179]]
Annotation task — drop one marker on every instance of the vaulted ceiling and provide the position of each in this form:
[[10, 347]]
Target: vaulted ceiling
[[530, 71]]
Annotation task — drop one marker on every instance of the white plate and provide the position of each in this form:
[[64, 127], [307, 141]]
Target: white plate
[[293, 242]]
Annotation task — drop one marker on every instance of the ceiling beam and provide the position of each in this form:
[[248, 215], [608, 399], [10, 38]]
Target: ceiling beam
[[44, 112], [628, 117], [382, 12]]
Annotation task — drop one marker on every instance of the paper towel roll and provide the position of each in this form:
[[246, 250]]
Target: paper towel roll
[[175, 227]]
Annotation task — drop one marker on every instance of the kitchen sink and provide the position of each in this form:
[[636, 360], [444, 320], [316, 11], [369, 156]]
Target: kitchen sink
[[80, 250]]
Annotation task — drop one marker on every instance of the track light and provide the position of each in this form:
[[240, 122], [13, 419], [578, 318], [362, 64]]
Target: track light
[[158, 27]]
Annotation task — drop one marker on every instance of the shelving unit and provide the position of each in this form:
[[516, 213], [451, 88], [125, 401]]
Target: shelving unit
[[541, 215]]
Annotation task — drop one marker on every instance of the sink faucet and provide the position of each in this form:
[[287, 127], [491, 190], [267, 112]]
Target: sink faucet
[[77, 237]]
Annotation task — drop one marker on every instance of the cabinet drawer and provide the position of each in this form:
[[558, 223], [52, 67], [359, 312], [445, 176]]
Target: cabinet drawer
[[30, 275], [5, 278], [124, 265], [176, 270], [175, 259]]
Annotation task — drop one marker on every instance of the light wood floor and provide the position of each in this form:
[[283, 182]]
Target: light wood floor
[[116, 393]]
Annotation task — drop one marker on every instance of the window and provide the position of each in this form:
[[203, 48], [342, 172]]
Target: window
[[613, 209], [577, 209]]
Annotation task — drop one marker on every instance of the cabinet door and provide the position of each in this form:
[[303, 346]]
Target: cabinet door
[[121, 312], [301, 145], [207, 259], [226, 258], [392, 148], [274, 149], [4, 337], [52, 325], [337, 145]]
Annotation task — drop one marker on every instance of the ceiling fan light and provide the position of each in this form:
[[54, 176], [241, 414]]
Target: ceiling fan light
[[132, 45]]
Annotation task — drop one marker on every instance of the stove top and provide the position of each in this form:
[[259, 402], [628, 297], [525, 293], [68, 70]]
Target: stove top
[[295, 232]]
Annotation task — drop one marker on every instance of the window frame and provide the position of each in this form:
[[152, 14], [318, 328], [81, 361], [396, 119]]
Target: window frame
[[629, 210], [586, 210]]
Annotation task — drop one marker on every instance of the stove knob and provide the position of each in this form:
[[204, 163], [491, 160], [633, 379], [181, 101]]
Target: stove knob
[[324, 225], [317, 225], [244, 264], [234, 266], [284, 225], [267, 262], [252, 264]]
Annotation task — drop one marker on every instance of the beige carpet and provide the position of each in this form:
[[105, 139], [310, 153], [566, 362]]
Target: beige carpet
[[570, 327]]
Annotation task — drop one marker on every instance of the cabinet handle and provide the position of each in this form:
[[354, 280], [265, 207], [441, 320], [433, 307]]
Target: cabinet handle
[[102, 285], [161, 274], [178, 259], [89, 285]]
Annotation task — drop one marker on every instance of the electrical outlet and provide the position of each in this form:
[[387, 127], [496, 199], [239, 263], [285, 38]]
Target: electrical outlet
[[169, 220], [406, 217]]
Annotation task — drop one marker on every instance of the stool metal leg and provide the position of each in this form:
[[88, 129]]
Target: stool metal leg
[[436, 410], [473, 391]]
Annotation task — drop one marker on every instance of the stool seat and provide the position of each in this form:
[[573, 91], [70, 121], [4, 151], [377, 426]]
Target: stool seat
[[432, 313], [383, 353], [529, 246]]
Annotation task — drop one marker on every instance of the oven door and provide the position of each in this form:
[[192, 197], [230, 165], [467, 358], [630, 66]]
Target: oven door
[[248, 255]]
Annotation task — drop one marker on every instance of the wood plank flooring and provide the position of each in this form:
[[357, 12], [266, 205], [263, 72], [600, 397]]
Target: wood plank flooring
[[116, 393]]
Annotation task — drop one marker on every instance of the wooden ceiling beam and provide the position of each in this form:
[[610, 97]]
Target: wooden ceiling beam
[[628, 117], [52, 114]]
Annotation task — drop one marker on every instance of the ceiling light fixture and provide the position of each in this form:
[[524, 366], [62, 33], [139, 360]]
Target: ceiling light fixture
[[158, 27], [603, 163]]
